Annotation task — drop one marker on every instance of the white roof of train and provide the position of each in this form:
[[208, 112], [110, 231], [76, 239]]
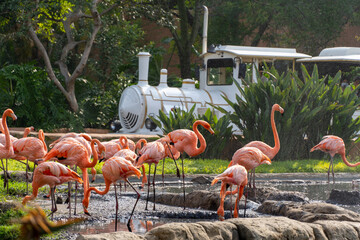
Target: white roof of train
[[262, 53], [336, 54]]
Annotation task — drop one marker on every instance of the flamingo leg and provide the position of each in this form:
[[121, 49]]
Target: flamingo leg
[[240, 193], [331, 160], [117, 208], [246, 196], [249, 177], [172, 156], [5, 176], [69, 198], [220, 210], [53, 202], [154, 185], [27, 178], [231, 201], [147, 197], [253, 178], [183, 176], [7, 172], [75, 201], [163, 175], [132, 212], [332, 168]]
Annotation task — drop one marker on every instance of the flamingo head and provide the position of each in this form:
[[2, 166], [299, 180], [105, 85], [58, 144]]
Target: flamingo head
[[265, 160], [277, 107], [10, 113], [208, 127], [101, 151]]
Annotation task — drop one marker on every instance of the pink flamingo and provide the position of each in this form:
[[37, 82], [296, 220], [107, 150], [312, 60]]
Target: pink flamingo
[[151, 153], [333, 145], [52, 174], [71, 152], [266, 149], [31, 148], [115, 169], [6, 149], [84, 139], [12, 139], [130, 155], [234, 175], [250, 158], [185, 140], [131, 144]]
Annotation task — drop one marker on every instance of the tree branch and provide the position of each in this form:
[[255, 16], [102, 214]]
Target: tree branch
[[46, 58]]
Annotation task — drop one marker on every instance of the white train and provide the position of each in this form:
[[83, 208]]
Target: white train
[[221, 66]]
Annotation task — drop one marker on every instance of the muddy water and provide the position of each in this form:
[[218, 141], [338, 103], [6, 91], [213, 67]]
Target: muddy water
[[102, 208]]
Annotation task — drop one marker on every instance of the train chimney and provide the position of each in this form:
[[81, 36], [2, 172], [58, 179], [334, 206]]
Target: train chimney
[[144, 58], [205, 30], [163, 78]]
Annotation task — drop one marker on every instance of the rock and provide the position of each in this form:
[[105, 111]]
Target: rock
[[276, 228], [202, 179], [263, 194], [59, 200], [111, 236], [308, 212], [203, 199], [5, 206], [19, 176], [344, 197], [240, 228]]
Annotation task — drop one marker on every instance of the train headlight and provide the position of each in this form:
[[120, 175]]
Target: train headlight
[[149, 124]]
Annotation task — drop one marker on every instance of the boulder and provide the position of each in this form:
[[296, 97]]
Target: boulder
[[240, 228], [271, 193], [111, 236], [308, 212], [344, 197], [203, 199]]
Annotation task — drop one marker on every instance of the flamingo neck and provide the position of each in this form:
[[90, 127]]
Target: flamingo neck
[[124, 143], [343, 157], [42, 138], [201, 149], [95, 154], [30, 197], [8, 144], [87, 193], [276, 135]]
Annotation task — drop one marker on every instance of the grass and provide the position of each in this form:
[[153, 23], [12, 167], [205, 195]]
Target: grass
[[217, 166]]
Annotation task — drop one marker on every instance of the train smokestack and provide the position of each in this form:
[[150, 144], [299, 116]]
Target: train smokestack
[[205, 30], [163, 78], [144, 58]]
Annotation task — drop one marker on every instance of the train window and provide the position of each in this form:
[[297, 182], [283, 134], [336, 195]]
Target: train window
[[220, 71]]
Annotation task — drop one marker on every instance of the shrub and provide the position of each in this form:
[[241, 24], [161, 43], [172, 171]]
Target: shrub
[[181, 119], [33, 97], [313, 106]]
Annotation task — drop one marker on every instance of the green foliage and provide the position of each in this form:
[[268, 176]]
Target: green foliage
[[177, 119], [10, 232], [299, 22], [181, 119], [313, 106], [216, 143], [33, 97]]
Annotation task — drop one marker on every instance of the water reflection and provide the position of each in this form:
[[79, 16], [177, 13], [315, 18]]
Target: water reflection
[[314, 190], [137, 226]]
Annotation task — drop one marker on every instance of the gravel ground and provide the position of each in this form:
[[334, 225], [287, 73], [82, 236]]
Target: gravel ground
[[102, 208]]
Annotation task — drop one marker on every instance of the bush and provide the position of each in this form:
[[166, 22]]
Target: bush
[[34, 98], [314, 107], [181, 119]]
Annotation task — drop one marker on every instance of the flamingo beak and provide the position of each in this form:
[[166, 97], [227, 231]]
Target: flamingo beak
[[211, 131], [13, 116]]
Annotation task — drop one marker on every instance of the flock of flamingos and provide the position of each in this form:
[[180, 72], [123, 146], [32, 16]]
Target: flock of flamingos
[[123, 159]]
